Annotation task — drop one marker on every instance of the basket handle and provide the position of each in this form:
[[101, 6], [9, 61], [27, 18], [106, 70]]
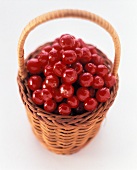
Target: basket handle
[[64, 14]]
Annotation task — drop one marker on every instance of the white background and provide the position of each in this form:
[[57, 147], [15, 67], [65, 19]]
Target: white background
[[115, 146]]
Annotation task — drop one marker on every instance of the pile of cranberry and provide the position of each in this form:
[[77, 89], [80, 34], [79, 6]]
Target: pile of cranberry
[[69, 77]]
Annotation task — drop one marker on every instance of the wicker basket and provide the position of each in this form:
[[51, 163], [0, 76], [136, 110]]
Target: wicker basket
[[65, 134]]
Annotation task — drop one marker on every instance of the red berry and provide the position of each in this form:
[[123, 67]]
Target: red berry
[[46, 94], [78, 68], [102, 70], [86, 57], [103, 94], [92, 92], [37, 97], [77, 44], [64, 109], [50, 105], [48, 70], [82, 43], [54, 57], [67, 41], [96, 59], [52, 81], [56, 40], [66, 90], [56, 46], [73, 102], [98, 82], [44, 85], [79, 53], [86, 79], [59, 68], [43, 59], [110, 80], [57, 96], [34, 82], [83, 93], [47, 48], [34, 66], [90, 104], [91, 68], [92, 49], [69, 57], [69, 76]]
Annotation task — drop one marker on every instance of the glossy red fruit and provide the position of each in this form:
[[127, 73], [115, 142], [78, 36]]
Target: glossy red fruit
[[83, 93], [91, 68], [44, 85], [79, 53], [98, 82], [110, 80], [86, 57], [54, 57], [50, 105], [56, 40], [56, 46], [43, 59], [48, 70], [34, 66], [46, 94], [77, 44], [103, 94], [67, 41], [90, 104], [78, 67], [69, 76], [34, 82], [69, 57], [86, 79], [92, 49], [102, 70], [37, 97], [92, 92], [57, 95], [59, 68], [64, 109], [52, 81], [82, 43], [73, 102], [66, 90], [47, 48], [96, 59]]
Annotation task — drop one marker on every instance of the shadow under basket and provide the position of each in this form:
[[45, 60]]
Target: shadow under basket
[[63, 134]]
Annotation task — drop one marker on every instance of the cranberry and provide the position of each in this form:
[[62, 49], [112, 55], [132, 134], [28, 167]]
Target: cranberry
[[92, 92], [98, 82], [34, 82], [50, 105], [73, 102], [83, 93], [52, 81], [69, 76], [46, 94], [59, 68], [92, 49], [43, 59], [66, 90], [47, 48], [80, 108], [102, 70], [77, 44], [69, 57], [82, 43], [90, 104], [96, 59], [86, 79], [56, 46], [53, 56], [86, 57], [91, 68], [78, 67], [64, 109], [37, 97], [67, 41], [103, 94], [57, 95], [48, 70], [44, 85], [79, 53], [56, 40], [34, 66], [110, 80]]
